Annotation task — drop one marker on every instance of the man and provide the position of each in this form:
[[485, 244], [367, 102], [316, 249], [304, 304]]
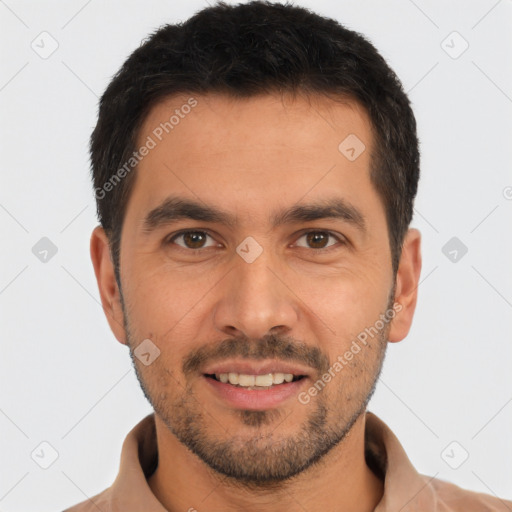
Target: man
[[255, 170]]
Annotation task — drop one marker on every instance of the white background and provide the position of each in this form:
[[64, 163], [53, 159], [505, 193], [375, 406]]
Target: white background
[[64, 378]]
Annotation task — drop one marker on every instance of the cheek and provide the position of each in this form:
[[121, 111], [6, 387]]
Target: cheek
[[351, 312], [350, 297], [159, 300], [172, 315]]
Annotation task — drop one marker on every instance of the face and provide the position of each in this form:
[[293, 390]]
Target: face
[[255, 258]]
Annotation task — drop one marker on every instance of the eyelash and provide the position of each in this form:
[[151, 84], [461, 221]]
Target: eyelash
[[339, 238]]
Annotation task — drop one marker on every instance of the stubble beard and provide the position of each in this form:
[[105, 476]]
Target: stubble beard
[[264, 459]]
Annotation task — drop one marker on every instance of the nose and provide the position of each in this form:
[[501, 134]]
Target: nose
[[256, 301]]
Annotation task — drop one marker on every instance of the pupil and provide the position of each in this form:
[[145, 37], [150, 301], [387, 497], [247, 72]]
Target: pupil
[[194, 240], [315, 238]]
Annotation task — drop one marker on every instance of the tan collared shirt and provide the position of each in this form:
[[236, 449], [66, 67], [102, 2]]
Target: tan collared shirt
[[405, 490]]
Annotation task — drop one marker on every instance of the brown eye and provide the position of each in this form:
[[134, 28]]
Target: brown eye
[[191, 239], [318, 240]]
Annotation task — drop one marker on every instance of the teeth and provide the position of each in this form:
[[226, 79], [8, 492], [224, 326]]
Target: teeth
[[278, 378], [248, 381], [264, 380]]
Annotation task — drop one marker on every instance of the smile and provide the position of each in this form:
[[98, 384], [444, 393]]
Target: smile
[[264, 381]]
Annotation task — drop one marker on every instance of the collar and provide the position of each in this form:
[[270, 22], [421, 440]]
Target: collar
[[404, 488]]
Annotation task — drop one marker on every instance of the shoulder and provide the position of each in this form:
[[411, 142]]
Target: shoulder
[[99, 502], [451, 497]]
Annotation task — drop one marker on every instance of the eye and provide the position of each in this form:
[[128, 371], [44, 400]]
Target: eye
[[319, 239], [192, 239]]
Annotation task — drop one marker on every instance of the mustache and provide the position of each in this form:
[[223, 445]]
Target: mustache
[[271, 346]]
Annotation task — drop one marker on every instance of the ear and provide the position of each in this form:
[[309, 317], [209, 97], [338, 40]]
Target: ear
[[406, 291], [107, 284]]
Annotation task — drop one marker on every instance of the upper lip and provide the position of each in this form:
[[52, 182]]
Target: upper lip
[[255, 367]]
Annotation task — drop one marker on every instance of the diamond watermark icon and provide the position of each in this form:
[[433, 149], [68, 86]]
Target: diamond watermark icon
[[454, 249], [44, 250], [146, 352], [351, 147], [455, 455], [454, 45], [44, 455], [45, 45], [249, 249]]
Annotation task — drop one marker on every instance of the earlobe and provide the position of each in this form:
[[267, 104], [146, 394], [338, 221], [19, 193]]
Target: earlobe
[[407, 281], [107, 284]]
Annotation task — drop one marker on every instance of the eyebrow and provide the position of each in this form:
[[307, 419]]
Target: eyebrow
[[176, 208]]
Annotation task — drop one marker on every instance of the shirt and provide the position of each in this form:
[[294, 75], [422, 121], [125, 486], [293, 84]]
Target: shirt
[[405, 490]]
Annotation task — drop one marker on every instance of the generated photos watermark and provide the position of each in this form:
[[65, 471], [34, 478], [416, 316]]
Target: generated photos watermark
[[343, 360], [151, 142]]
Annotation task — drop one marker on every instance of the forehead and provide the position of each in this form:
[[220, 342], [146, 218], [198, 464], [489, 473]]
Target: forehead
[[262, 119], [252, 151]]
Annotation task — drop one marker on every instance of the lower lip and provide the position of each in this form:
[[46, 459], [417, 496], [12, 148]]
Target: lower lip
[[255, 399]]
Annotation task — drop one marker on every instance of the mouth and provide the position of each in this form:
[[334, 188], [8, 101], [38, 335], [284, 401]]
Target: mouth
[[255, 382], [255, 385]]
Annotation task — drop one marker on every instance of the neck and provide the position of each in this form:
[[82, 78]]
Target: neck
[[341, 481]]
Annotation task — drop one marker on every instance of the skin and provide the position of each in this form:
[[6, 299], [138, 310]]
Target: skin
[[249, 158]]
